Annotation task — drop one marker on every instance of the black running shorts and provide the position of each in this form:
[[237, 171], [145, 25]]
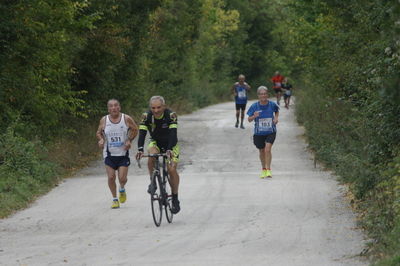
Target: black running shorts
[[260, 141], [116, 162], [241, 106]]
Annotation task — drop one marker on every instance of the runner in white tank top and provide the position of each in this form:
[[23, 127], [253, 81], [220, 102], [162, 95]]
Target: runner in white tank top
[[115, 133]]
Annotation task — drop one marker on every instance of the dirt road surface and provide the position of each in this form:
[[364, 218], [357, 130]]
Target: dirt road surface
[[229, 216]]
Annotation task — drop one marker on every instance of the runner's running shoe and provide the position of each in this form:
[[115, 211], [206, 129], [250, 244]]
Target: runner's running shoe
[[122, 196], [237, 124], [115, 204], [263, 174], [269, 173]]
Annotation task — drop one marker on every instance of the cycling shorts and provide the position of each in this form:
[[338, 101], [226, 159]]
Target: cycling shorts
[[116, 162], [260, 140], [162, 147], [241, 106]]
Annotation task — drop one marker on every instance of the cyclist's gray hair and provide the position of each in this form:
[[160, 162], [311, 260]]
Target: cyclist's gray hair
[[155, 98], [262, 88], [241, 76]]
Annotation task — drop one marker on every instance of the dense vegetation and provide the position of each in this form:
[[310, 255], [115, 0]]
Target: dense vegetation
[[345, 55], [60, 60]]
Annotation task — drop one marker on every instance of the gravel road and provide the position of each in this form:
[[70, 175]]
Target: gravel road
[[229, 216]]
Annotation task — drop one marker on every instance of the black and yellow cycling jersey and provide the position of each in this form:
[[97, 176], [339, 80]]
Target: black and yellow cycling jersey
[[163, 130]]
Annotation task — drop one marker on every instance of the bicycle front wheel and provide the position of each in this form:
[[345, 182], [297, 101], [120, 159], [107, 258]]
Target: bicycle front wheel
[[156, 200], [168, 201]]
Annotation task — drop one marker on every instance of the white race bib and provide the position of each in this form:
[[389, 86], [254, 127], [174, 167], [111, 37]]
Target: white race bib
[[265, 124], [115, 141], [278, 84], [242, 94]]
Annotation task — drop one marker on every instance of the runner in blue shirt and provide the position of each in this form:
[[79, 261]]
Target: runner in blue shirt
[[265, 115], [240, 89]]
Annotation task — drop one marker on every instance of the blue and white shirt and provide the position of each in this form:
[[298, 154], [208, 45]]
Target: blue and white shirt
[[241, 92], [263, 124]]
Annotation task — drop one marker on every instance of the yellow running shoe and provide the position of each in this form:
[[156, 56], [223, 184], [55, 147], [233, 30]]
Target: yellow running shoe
[[268, 173], [122, 196], [263, 174], [115, 204]]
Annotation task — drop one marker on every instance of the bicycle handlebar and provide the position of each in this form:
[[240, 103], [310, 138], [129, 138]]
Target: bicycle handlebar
[[152, 155]]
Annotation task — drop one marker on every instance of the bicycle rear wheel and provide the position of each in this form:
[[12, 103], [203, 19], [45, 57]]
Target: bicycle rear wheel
[[168, 201], [156, 200]]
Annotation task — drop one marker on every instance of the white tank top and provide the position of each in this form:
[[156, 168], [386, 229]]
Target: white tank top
[[115, 135]]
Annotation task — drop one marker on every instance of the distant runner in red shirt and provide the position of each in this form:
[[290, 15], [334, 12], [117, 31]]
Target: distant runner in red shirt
[[277, 80]]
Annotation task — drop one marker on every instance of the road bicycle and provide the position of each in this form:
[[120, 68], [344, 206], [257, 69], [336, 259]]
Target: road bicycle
[[160, 192]]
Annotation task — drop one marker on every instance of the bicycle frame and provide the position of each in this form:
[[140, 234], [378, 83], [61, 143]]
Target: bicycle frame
[[163, 198]]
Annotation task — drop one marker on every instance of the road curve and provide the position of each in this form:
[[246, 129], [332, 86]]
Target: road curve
[[229, 216]]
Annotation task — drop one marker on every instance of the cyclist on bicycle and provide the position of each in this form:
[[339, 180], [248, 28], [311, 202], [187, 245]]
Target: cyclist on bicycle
[[162, 123]]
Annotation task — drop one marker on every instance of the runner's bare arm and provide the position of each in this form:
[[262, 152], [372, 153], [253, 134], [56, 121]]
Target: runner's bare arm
[[132, 131], [276, 118], [254, 116], [133, 128], [233, 90], [99, 132]]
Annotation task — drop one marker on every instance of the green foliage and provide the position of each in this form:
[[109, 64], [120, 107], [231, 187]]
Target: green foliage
[[23, 171], [62, 60], [346, 56], [38, 42], [253, 41]]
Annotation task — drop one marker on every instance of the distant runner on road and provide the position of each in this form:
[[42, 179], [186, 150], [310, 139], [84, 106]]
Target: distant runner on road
[[239, 90], [115, 134], [265, 115], [277, 81], [287, 88], [162, 125]]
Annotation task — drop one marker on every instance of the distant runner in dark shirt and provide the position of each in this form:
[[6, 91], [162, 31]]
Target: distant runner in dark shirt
[[288, 89]]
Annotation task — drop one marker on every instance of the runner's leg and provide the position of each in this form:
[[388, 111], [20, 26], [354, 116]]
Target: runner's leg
[[111, 181], [262, 157], [278, 97], [268, 155], [150, 162], [122, 176], [173, 173], [242, 116]]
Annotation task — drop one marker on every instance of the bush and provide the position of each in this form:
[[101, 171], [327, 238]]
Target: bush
[[24, 172]]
